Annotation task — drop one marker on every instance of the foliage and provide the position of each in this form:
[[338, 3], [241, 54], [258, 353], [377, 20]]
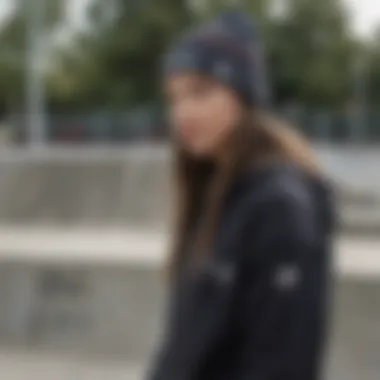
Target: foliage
[[14, 47], [114, 61]]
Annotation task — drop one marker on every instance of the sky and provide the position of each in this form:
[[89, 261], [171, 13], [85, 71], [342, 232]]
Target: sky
[[365, 13]]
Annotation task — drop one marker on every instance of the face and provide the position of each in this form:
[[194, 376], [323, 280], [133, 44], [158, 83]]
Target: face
[[203, 113]]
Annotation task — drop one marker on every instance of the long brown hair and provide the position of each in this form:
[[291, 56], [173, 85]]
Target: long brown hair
[[201, 187]]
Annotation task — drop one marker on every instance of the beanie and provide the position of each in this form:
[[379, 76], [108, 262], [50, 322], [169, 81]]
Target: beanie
[[227, 49]]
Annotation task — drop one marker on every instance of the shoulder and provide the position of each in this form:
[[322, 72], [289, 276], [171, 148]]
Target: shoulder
[[281, 201], [281, 212], [281, 184]]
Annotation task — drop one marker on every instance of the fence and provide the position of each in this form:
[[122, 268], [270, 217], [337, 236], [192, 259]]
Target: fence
[[320, 125]]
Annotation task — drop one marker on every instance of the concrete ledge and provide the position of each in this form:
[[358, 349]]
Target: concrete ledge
[[358, 258], [98, 293], [130, 186], [74, 246], [353, 257], [22, 365]]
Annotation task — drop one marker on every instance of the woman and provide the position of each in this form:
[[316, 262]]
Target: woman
[[249, 271]]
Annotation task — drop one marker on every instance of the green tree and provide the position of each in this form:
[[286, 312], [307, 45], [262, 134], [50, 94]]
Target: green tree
[[371, 69], [14, 47], [113, 63], [312, 52], [118, 56]]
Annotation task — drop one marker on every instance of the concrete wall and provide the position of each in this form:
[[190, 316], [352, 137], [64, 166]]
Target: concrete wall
[[130, 186], [104, 310], [91, 187], [116, 311]]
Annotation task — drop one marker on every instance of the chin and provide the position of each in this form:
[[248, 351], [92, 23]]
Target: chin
[[200, 150]]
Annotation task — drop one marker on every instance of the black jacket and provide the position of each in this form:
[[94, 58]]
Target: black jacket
[[257, 310]]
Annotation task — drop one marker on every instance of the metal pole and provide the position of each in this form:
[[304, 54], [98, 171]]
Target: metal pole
[[359, 125], [35, 81]]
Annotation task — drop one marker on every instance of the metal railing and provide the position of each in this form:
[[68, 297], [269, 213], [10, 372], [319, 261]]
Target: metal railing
[[319, 125]]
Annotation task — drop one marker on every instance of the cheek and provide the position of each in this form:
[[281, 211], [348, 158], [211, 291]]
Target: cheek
[[202, 123], [221, 114]]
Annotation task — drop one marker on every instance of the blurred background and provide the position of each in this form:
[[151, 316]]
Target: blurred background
[[85, 166]]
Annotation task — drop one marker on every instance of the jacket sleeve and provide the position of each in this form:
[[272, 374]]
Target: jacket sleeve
[[283, 299], [197, 318]]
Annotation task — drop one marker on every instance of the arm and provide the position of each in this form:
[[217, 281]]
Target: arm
[[197, 318], [283, 304]]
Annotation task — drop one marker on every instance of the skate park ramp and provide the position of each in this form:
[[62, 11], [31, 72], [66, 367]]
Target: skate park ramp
[[90, 187], [131, 186], [82, 285], [100, 297]]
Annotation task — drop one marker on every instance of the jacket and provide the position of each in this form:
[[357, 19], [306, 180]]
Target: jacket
[[258, 309]]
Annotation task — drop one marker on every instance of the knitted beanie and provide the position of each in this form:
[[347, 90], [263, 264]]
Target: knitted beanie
[[227, 49]]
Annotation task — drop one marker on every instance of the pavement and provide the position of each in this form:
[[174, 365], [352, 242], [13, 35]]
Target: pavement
[[355, 336], [22, 365]]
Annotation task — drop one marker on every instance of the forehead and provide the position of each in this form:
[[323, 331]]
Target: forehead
[[185, 79]]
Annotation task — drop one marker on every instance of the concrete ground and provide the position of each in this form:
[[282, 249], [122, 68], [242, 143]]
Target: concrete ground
[[32, 366], [354, 352], [355, 334]]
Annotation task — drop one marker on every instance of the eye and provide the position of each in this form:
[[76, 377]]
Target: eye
[[201, 88]]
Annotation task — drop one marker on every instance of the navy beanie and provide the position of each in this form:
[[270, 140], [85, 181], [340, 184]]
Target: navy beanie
[[228, 49]]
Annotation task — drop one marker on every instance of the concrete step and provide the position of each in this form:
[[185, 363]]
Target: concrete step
[[353, 352], [131, 186], [360, 220], [34, 365], [44, 245], [100, 294]]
